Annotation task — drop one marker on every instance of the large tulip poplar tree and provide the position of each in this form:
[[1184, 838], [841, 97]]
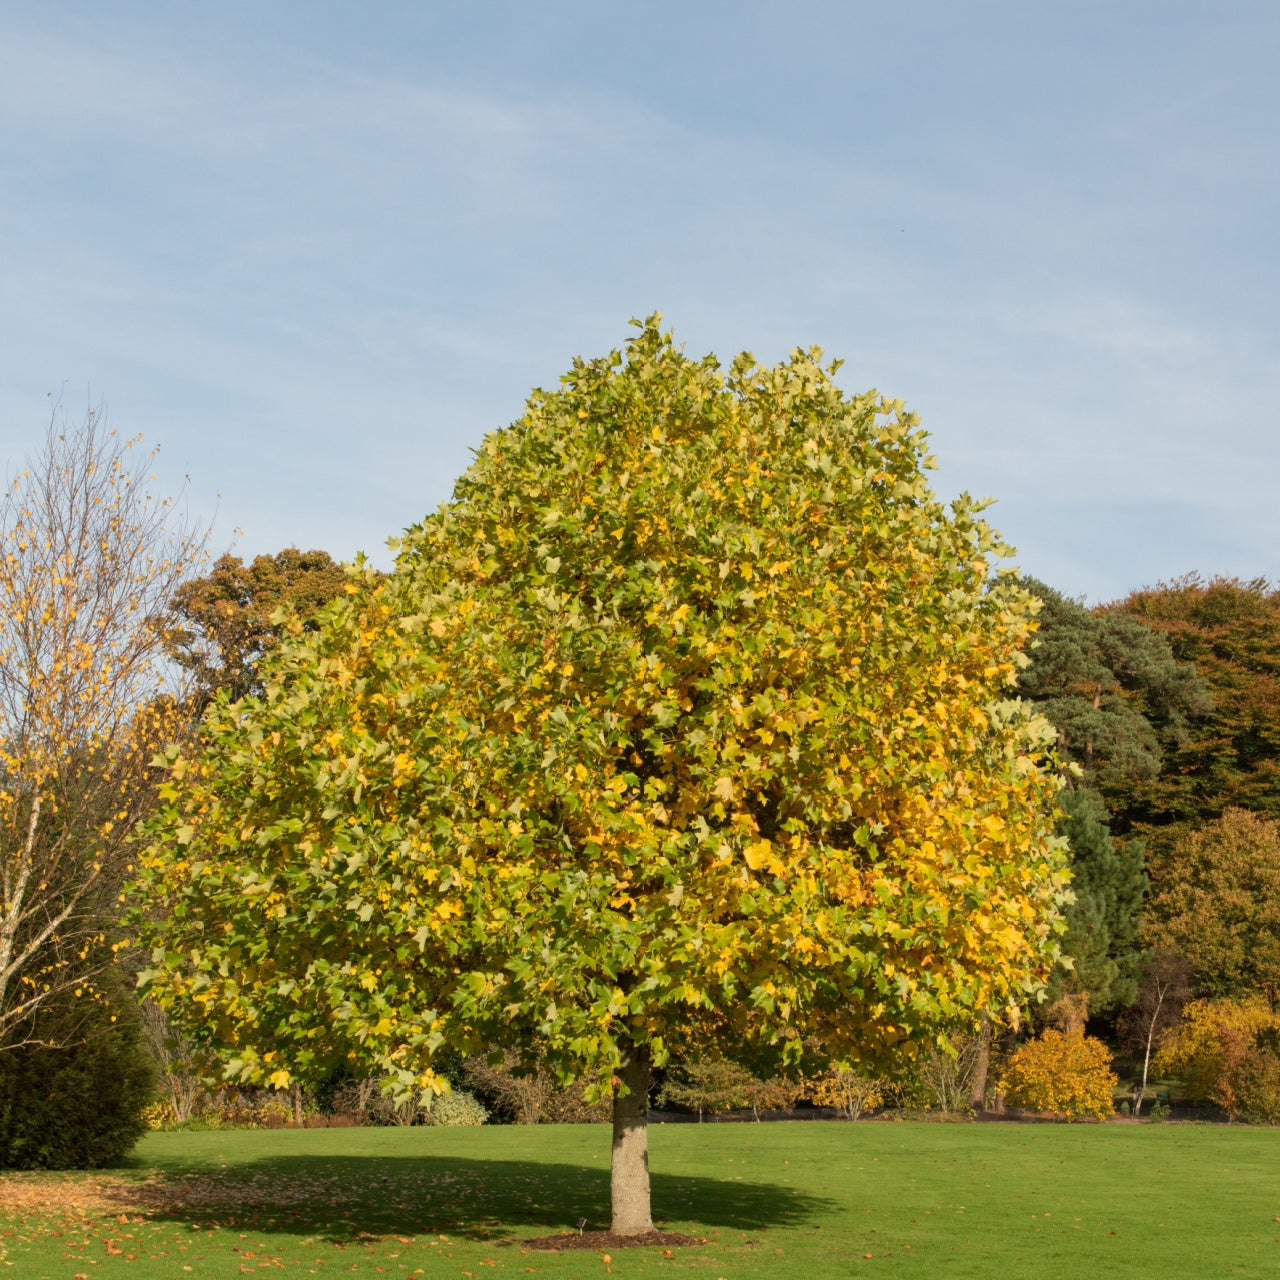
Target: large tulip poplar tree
[[686, 721]]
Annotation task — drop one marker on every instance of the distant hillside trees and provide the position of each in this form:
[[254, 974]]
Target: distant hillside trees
[[1217, 902], [1121, 704], [1229, 629]]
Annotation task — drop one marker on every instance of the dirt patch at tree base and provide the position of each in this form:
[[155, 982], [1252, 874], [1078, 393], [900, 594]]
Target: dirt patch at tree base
[[606, 1240]]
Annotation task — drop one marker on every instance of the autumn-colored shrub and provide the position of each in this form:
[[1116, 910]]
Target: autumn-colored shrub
[[568, 1105], [707, 1085], [1224, 1051], [159, 1115], [945, 1075], [844, 1088], [772, 1093], [1066, 1072], [230, 1109], [1258, 1086], [529, 1093], [458, 1107]]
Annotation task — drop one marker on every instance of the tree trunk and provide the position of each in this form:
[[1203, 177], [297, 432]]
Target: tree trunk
[[1141, 1093], [630, 1175], [1088, 742], [978, 1091]]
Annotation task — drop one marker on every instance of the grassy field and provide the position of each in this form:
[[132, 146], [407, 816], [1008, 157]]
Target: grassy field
[[811, 1200]]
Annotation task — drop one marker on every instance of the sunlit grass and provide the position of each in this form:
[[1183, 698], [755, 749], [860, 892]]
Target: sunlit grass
[[804, 1199]]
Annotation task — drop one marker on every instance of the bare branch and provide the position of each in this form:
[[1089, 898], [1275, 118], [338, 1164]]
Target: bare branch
[[90, 560]]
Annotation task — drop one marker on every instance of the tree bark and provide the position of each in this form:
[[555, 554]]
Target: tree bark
[[978, 1091], [629, 1185], [1141, 1093]]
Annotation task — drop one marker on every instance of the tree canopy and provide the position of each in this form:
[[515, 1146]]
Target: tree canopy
[[1230, 630], [1108, 882], [227, 620], [1216, 900], [687, 719], [1117, 695]]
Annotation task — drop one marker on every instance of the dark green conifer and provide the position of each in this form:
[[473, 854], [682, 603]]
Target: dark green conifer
[[1102, 924], [1119, 699]]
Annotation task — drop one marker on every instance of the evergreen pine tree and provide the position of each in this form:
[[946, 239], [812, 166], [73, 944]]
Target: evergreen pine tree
[[1119, 699], [1102, 924], [1122, 705]]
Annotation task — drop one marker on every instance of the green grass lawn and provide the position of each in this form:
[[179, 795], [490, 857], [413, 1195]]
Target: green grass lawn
[[810, 1200]]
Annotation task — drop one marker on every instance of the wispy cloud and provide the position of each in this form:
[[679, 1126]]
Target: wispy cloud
[[320, 283]]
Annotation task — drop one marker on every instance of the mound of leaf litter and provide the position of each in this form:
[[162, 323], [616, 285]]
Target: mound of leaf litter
[[607, 1240]]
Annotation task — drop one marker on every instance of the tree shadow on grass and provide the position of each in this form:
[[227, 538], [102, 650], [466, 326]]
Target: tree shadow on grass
[[343, 1198]]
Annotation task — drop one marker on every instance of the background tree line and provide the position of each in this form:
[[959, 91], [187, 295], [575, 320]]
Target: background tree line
[[116, 638], [1165, 703]]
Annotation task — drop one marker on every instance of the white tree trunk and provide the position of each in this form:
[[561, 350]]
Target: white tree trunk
[[1146, 1057]]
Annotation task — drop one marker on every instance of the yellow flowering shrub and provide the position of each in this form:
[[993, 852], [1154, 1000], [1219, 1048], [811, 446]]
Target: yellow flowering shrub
[[1067, 1072]]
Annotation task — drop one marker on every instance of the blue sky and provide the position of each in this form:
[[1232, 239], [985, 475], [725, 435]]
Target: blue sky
[[317, 250]]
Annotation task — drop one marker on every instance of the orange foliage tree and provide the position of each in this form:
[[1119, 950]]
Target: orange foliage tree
[[1230, 758], [228, 619]]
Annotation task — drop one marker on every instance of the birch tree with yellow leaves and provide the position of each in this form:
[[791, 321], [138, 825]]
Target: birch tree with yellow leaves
[[686, 721], [89, 560]]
